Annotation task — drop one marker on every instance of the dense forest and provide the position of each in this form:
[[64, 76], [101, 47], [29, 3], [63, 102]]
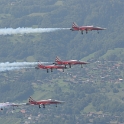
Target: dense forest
[[93, 94]]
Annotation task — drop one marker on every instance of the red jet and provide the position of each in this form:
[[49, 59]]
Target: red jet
[[44, 102], [58, 61], [75, 27], [40, 66]]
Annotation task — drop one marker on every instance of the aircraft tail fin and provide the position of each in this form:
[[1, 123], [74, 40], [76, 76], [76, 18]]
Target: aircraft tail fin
[[31, 100], [74, 25], [39, 65], [57, 59]]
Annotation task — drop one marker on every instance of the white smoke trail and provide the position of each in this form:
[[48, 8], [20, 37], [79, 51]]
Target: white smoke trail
[[18, 64], [12, 68], [10, 31], [7, 66]]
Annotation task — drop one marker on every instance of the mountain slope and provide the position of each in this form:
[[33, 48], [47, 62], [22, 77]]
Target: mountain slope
[[97, 88]]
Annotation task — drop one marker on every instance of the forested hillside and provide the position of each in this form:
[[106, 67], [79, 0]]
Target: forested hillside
[[93, 94]]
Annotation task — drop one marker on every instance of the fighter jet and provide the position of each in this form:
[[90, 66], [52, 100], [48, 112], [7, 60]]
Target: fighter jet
[[58, 61], [75, 27], [41, 66], [43, 102]]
